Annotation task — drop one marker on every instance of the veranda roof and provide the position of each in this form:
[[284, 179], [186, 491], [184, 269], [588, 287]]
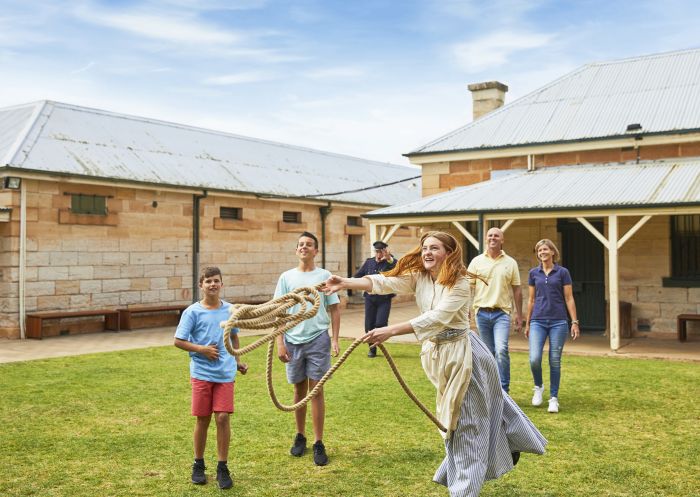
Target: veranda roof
[[594, 186]]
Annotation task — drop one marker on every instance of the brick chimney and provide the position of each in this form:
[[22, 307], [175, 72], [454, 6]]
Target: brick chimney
[[487, 96]]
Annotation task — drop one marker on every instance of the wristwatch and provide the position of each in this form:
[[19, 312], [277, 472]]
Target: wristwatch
[[575, 321]]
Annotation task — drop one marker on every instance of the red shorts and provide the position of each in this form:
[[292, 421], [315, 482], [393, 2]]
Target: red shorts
[[208, 397]]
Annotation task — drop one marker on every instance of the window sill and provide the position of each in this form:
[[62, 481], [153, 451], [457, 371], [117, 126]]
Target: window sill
[[236, 224], [680, 282], [65, 216], [290, 227]]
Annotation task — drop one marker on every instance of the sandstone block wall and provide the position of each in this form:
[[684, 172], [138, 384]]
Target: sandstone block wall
[[141, 252]]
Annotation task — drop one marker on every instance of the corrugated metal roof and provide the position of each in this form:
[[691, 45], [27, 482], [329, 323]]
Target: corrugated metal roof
[[652, 183], [661, 92], [14, 122], [67, 139]]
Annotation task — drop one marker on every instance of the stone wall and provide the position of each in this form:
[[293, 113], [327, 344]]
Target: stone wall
[[141, 252]]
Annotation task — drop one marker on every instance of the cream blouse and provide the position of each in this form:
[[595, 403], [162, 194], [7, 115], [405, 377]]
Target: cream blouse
[[447, 365]]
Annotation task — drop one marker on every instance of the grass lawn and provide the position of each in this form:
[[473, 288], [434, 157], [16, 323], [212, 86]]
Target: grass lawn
[[118, 424]]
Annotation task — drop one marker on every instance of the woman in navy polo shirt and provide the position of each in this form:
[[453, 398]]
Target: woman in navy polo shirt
[[550, 297]]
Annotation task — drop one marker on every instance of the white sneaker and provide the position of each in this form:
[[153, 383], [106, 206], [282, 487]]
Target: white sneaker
[[553, 405], [537, 396]]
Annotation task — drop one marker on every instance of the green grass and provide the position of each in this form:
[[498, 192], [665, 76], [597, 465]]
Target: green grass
[[118, 424]]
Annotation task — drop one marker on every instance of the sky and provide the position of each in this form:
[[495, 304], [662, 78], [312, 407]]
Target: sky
[[372, 79]]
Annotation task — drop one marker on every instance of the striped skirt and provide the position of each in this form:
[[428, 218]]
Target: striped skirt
[[490, 427]]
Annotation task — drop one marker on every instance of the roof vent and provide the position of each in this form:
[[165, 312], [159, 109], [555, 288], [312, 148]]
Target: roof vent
[[634, 127]]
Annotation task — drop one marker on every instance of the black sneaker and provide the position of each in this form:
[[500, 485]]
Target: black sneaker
[[223, 476], [516, 457], [320, 457], [198, 476], [299, 446], [372, 352]]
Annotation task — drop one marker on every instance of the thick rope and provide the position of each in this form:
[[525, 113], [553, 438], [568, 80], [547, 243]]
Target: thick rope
[[273, 314]]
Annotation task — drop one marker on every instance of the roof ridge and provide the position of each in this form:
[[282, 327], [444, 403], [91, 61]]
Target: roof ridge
[[657, 55], [22, 136]]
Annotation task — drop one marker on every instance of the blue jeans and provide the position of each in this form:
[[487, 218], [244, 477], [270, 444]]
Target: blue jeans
[[494, 328], [556, 330]]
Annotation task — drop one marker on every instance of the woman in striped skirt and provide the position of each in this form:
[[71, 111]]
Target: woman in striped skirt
[[486, 430]]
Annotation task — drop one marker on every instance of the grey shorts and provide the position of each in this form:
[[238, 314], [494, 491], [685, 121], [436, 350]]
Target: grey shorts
[[308, 360]]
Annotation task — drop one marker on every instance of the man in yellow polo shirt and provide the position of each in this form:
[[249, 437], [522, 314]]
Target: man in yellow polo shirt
[[492, 303]]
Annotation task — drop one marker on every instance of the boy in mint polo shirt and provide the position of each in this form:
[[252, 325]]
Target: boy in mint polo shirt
[[306, 348], [212, 372]]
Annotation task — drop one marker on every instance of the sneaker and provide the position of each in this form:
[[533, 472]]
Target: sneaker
[[372, 352], [516, 457], [320, 457], [198, 476], [553, 405], [537, 396], [299, 446], [223, 476]]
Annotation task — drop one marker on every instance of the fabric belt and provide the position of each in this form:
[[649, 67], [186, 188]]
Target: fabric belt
[[491, 309], [448, 336]]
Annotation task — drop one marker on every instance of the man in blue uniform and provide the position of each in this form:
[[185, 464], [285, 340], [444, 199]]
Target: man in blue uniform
[[377, 307]]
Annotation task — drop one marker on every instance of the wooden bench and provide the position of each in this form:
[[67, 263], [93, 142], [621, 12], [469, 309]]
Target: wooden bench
[[681, 325], [125, 314], [36, 320]]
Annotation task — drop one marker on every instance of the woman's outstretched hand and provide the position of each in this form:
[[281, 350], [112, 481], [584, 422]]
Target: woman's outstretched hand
[[377, 336], [332, 285]]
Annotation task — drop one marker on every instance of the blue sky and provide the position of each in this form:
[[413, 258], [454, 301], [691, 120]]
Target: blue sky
[[373, 79]]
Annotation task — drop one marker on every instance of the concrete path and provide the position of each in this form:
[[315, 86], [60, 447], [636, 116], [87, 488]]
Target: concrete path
[[352, 326]]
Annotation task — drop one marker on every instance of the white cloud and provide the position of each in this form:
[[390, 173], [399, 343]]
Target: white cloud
[[495, 49], [497, 11], [20, 31], [181, 32], [175, 29], [238, 78], [340, 72], [215, 4], [84, 68]]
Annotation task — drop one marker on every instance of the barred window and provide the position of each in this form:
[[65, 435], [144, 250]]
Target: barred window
[[291, 217], [88, 204], [354, 221], [685, 247], [231, 213]]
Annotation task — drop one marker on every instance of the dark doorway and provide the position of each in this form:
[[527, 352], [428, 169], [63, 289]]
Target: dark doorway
[[355, 261], [584, 256]]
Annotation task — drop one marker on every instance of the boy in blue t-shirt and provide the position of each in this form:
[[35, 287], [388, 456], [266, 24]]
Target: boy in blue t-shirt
[[306, 348], [212, 372]]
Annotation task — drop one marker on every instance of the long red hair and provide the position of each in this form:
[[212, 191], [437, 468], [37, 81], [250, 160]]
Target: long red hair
[[451, 270]]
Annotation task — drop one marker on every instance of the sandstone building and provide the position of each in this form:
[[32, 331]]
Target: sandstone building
[[102, 211], [605, 161]]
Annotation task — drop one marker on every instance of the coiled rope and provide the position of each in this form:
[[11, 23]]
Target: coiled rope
[[273, 314]]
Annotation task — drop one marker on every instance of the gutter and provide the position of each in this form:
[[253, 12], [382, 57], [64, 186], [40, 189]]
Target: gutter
[[533, 209], [195, 244], [632, 136], [186, 189], [22, 258], [325, 212]]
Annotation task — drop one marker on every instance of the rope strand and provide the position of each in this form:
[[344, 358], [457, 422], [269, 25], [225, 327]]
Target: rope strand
[[273, 314]]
